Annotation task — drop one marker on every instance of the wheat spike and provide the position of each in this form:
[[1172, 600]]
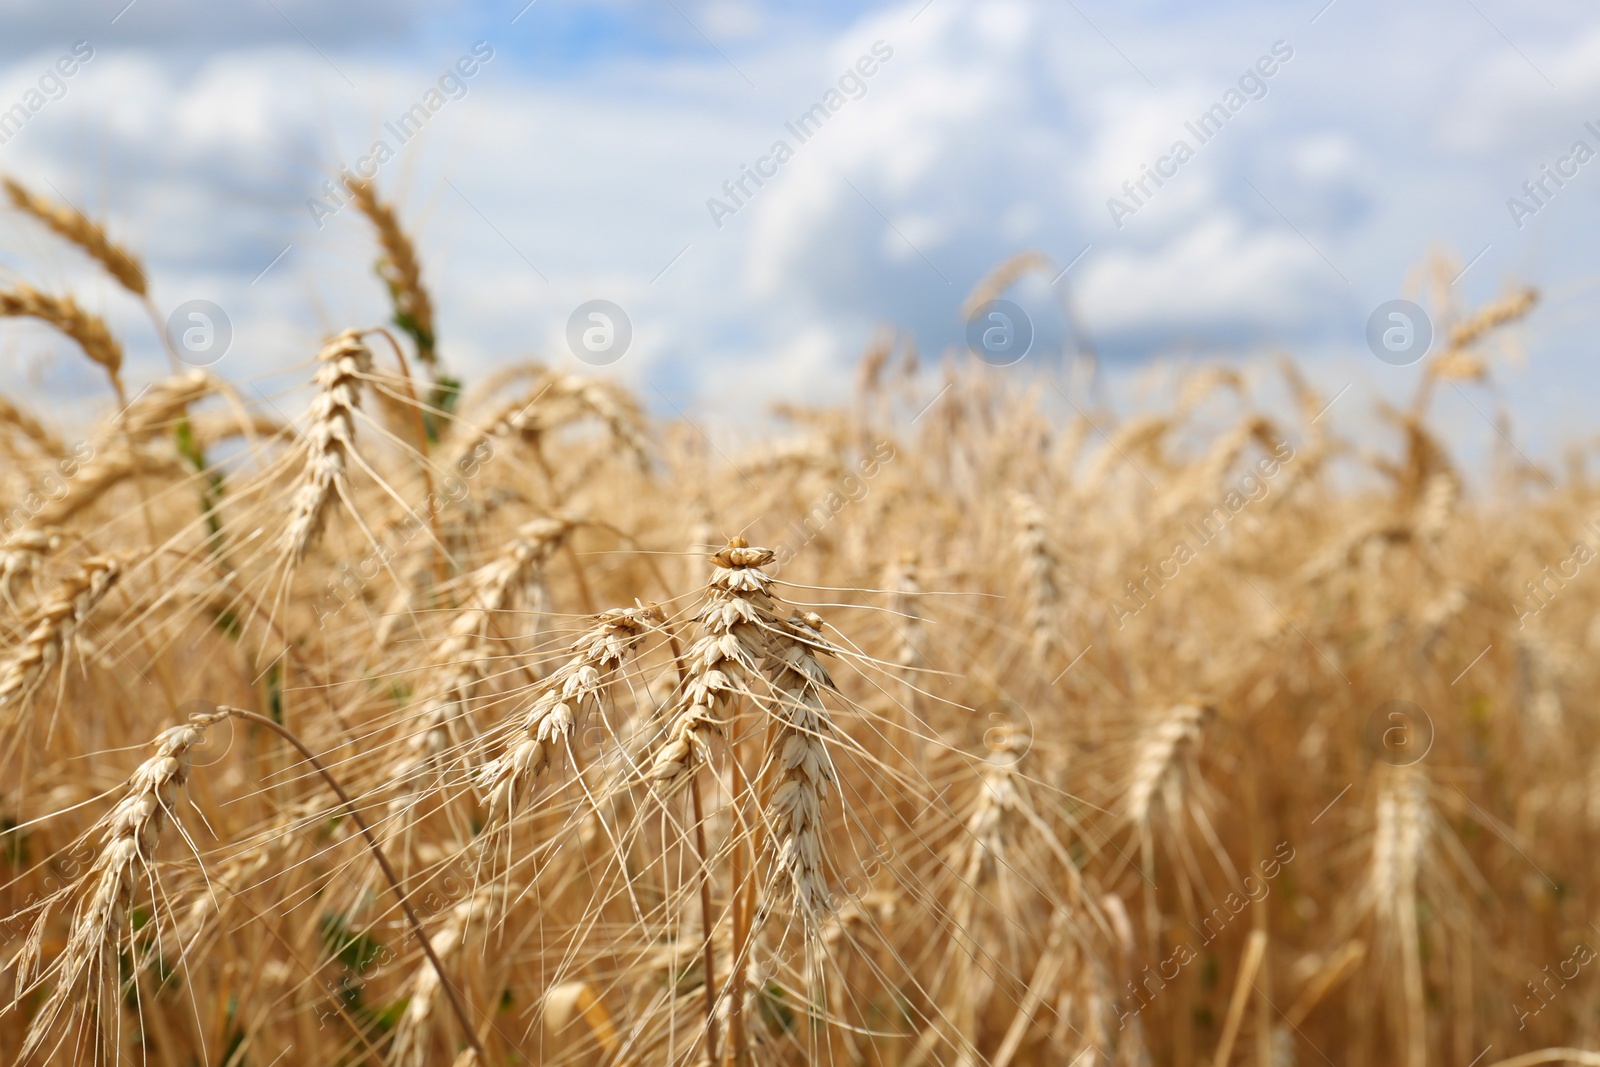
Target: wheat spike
[[1400, 840], [799, 755], [723, 662], [1039, 566], [20, 555], [399, 267], [1492, 315], [1157, 758], [128, 840], [412, 1045], [74, 226], [571, 691], [157, 406], [30, 427], [462, 659], [1002, 278], [330, 440], [51, 629], [63, 312]]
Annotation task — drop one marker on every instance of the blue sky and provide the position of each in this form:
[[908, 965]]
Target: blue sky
[[580, 160]]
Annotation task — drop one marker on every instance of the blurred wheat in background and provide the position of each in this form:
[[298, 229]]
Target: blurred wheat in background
[[502, 723]]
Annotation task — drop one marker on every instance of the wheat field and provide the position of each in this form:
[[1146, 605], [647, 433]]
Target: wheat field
[[501, 722]]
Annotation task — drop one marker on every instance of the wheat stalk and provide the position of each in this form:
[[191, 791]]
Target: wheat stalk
[[412, 1044]]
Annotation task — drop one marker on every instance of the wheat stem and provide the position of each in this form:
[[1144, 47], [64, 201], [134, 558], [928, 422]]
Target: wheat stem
[[421, 937]]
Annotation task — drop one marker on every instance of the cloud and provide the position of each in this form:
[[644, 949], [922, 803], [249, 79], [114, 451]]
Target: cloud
[[1220, 277]]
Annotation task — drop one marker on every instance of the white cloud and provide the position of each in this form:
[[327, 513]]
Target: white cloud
[[1217, 274]]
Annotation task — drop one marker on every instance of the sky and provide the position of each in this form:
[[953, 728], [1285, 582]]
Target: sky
[[595, 152]]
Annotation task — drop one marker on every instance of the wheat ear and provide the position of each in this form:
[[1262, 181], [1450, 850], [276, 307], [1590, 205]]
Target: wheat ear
[[1158, 753], [330, 440], [805, 771], [399, 268], [562, 700], [70, 223], [63, 312], [1400, 838], [1494, 314], [1004, 277], [20, 555], [157, 406], [51, 628], [452, 995], [130, 834], [1039, 565], [461, 660], [30, 427], [723, 661], [557, 400]]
